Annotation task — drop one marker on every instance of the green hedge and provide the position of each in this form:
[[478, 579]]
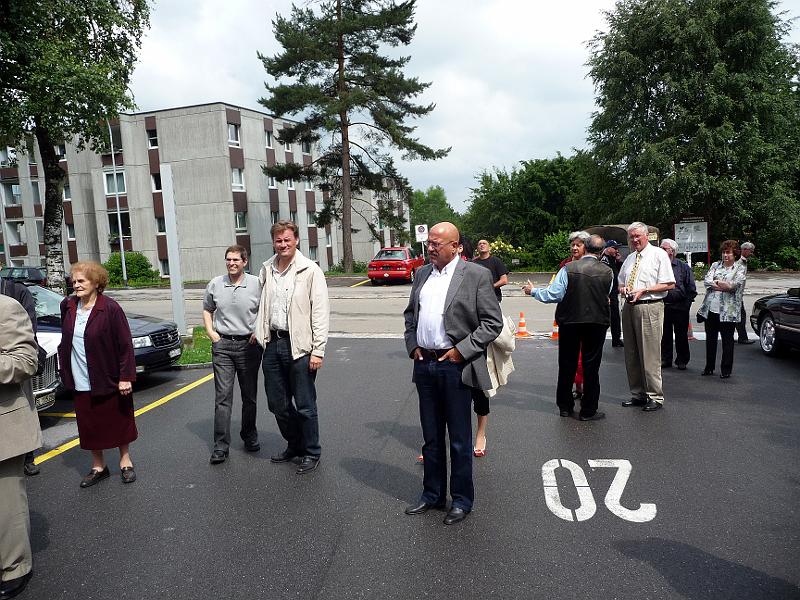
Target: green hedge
[[138, 267]]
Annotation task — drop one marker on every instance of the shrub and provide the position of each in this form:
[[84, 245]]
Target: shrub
[[358, 267], [138, 268], [508, 254], [700, 269], [788, 258], [554, 249]]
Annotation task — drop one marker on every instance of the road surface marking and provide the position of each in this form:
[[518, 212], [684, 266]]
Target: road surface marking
[[57, 414], [360, 283]]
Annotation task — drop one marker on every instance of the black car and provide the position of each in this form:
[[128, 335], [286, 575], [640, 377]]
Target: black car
[[776, 320], [35, 275], [156, 343]]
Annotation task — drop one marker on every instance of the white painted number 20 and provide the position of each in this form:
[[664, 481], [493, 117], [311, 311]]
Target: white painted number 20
[[587, 508]]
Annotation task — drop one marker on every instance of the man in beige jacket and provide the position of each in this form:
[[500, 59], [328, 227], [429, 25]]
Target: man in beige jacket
[[19, 434], [292, 327]]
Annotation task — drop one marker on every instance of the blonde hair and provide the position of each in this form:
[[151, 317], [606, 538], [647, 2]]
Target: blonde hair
[[94, 272]]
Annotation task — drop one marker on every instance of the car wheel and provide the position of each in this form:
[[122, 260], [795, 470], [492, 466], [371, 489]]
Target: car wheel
[[374, 282], [767, 336]]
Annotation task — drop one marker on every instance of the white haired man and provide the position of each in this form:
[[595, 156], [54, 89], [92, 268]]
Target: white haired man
[[677, 304], [644, 279], [741, 327]]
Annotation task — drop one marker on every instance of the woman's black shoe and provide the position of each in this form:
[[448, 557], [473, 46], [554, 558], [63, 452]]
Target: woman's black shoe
[[94, 476], [707, 372], [724, 375]]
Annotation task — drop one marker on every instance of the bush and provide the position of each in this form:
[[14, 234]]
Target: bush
[[138, 268], [700, 269], [508, 254], [358, 267], [788, 258], [554, 249]]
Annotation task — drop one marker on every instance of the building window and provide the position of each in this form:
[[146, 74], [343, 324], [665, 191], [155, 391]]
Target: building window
[[161, 225], [113, 224], [233, 135], [271, 181], [312, 218], [274, 216], [152, 138], [111, 188], [287, 146], [16, 231], [240, 220], [40, 231], [306, 146], [328, 239], [61, 151], [237, 180], [164, 266], [312, 252], [37, 198], [67, 194], [293, 216], [8, 156], [12, 194], [155, 180], [290, 183], [71, 231], [268, 136], [30, 147], [309, 184]]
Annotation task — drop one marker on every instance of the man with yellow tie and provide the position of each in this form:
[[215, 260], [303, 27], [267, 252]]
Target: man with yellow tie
[[644, 279]]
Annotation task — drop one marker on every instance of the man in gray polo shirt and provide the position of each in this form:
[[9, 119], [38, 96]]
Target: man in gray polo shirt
[[230, 308]]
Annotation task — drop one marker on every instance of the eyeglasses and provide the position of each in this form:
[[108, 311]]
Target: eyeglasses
[[437, 245]]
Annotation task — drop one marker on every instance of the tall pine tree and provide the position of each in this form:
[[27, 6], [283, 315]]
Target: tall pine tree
[[353, 101]]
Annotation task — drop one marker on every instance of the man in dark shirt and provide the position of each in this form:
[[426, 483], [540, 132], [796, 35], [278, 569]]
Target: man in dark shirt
[[677, 305], [611, 259], [495, 265]]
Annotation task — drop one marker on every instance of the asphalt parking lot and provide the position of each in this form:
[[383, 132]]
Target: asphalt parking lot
[[709, 508]]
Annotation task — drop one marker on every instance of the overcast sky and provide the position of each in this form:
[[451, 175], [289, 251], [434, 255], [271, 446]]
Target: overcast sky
[[509, 76]]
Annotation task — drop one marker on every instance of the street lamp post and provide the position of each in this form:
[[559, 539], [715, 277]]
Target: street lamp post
[[119, 215]]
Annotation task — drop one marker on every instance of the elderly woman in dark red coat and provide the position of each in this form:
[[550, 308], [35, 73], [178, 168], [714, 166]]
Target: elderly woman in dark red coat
[[97, 363]]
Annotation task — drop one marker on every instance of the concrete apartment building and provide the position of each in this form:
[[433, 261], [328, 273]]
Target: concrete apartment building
[[215, 152]]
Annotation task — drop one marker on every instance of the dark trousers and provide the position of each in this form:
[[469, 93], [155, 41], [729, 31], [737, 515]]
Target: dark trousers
[[444, 411], [676, 322], [616, 321], [716, 327], [480, 403], [741, 326], [586, 338], [287, 379], [234, 359]]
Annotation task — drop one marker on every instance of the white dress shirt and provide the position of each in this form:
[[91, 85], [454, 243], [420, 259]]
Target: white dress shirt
[[654, 268], [430, 321]]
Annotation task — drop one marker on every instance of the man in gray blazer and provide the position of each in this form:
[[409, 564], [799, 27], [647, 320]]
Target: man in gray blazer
[[451, 317], [19, 434]]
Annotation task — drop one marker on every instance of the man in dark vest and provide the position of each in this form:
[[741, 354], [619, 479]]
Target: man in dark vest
[[581, 289]]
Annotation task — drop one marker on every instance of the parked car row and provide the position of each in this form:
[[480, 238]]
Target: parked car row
[[776, 320]]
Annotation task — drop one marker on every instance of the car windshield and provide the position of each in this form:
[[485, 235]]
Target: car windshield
[[48, 302], [390, 255]]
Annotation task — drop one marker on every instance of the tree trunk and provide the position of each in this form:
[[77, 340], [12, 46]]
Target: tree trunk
[[347, 201], [53, 209]]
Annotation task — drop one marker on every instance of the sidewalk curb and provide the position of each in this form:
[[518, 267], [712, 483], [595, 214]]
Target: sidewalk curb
[[192, 366]]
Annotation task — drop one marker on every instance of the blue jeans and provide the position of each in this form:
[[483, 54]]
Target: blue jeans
[[445, 405], [286, 379]]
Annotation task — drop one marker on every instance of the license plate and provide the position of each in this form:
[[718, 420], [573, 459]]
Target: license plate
[[174, 352], [46, 400]]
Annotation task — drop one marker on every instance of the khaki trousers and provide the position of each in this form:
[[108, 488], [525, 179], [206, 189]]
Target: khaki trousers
[[642, 328], [16, 558]]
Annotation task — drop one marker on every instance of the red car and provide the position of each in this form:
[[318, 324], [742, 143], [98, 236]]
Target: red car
[[391, 264]]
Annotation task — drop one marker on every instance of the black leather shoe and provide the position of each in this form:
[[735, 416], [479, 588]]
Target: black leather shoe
[[595, 417], [707, 372], [565, 413], [32, 469], [127, 474], [724, 375], [634, 402], [284, 456], [651, 406], [681, 366], [218, 456], [455, 515], [308, 464], [13, 587], [252, 446], [748, 341], [423, 507], [617, 344], [94, 477]]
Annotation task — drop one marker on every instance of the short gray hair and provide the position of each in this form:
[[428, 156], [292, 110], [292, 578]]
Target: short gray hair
[[748, 246], [638, 226], [671, 243], [596, 244], [579, 235]]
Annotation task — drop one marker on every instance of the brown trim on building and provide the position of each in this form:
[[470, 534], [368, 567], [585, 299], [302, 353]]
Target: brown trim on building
[[161, 246], [313, 237], [237, 157], [111, 202], [106, 158], [292, 200], [274, 202], [37, 210], [233, 116], [329, 251], [153, 158], [128, 245], [18, 250], [270, 157], [158, 204], [288, 157], [14, 212], [42, 250], [306, 160], [267, 124], [64, 165], [243, 239], [311, 201], [392, 239], [9, 173], [150, 122], [69, 219], [34, 170], [239, 201], [72, 250]]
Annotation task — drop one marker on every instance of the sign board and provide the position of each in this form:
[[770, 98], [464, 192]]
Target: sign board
[[422, 232], [692, 236]]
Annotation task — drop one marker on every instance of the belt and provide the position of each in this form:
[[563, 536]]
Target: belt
[[278, 333], [434, 353], [236, 338], [646, 301]]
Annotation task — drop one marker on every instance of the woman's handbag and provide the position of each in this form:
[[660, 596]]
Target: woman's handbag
[[700, 318]]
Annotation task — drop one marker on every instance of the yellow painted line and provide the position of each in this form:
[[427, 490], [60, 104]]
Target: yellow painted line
[[360, 283], [72, 443], [60, 415]]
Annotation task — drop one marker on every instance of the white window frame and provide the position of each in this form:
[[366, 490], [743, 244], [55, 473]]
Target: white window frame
[[234, 141], [151, 138], [70, 231], [328, 239], [274, 216], [66, 193], [240, 221], [293, 216], [290, 184], [268, 139], [309, 184], [37, 195], [312, 253], [40, 231], [312, 218], [163, 267], [272, 182], [107, 174], [304, 145], [153, 181], [61, 151], [159, 222], [112, 214], [287, 146], [237, 180]]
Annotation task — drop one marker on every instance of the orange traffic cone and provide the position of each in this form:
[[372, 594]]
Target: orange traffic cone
[[554, 335], [522, 329], [691, 333]]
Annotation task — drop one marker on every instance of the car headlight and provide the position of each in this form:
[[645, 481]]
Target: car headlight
[[142, 342]]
